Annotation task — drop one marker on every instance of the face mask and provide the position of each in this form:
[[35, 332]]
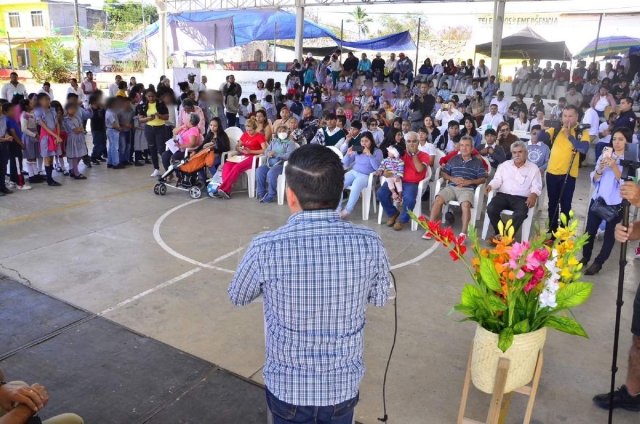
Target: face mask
[[282, 136]]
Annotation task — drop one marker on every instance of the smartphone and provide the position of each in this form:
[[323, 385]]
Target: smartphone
[[606, 152], [358, 149]]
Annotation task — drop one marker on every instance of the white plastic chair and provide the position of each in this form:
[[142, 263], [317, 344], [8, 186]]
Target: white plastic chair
[[233, 132], [417, 210], [436, 175], [526, 225], [478, 199], [336, 151], [543, 193], [368, 198]]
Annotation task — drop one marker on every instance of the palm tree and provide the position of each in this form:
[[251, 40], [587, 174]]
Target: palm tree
[[361, 19]]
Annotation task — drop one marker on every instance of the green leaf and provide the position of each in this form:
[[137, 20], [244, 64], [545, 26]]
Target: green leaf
[[566, 325], [505, 340], [469, 310], [573, 294], [522, 327], [497, 304], [489, 274], [470, 295]]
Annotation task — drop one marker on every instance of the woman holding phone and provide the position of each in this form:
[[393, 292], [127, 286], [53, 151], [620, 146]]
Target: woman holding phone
[[365, 161], [606, 190], [154, 113]]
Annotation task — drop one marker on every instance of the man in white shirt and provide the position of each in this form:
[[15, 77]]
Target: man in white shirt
[[493, 118], [481, 73], [470, 93], [591, 118], [503, 105], [13, 87], [390, 66], [518, 184], [203, 83], [520, 79], [88, 87], [608, 72], [115, 86], [46, 89], [75, 89], [193, 85]]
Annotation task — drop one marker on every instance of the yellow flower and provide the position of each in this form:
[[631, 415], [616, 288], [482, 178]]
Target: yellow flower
[[563, 233], [566, 274]]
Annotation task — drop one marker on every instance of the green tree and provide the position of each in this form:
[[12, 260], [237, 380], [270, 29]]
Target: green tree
[[55, 62], [126, 17], [361, 19]]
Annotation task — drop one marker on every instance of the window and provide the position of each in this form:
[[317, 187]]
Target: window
[[36, 18], [14, 19]]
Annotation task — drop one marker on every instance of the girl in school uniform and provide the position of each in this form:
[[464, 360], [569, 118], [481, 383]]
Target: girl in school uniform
[[59, 158], [50, 139], [139, 141], [30, 140], [113, 133], [76, 144]]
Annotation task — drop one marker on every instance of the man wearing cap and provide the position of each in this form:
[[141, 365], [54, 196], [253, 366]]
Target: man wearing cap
[[193, 85], [404, 69], [377, 67], [364, 67], [390, 66]]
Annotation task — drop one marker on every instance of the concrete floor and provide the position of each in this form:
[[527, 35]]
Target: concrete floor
[[92, 243]]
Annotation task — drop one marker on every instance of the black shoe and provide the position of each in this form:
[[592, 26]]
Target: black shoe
[[5, 190], [224, 194], [24, 173], [102, 159], [621, 399], [109, 166], [95, 162], [147, 161], [118, 166], [54, 184], [126, 163], [138, 163], [593, 269], [449, 217], [34, 180], [584, 262]]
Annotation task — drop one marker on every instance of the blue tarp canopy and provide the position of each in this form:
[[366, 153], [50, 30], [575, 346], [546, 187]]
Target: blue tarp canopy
[[193, 32]]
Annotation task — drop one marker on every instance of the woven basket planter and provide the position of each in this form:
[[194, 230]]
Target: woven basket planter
[[523, 355]]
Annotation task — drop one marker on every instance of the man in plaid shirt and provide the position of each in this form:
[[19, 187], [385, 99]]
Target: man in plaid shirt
[[317, 274]]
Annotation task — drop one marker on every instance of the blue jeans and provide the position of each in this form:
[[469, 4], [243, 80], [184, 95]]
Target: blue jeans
[[99, 143], [203, 174], [554, 185], [357, 181], [599, 148], [265, 174], [285, 413], [125, 145], [396, 77], [114, 146], [409, 193]]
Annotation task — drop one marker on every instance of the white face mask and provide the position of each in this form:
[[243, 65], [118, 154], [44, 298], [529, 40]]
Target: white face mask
[[282, 136]]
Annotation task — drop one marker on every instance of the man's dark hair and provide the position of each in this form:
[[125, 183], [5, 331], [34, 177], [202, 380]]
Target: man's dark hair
[[562, 99], [330, 116], [490, 131], [6, 107], [356, 124], [253, 97], [628, 99], [585, 105], [533, 127], [268, 98], [453, 123], [316, 175], [342, 119], [573, 108], [71, 96]]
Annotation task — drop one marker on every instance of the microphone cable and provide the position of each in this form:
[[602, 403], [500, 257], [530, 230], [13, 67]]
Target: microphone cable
[[385, 418]]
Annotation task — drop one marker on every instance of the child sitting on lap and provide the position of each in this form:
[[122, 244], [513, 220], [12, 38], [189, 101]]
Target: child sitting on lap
[[395, 164]]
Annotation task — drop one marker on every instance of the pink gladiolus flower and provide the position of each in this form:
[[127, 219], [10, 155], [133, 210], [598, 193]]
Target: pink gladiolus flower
[[520, 274], [531, 285], [541, 255]]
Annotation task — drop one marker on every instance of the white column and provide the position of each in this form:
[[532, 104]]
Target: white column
[[299, 28], [496, 47], [162, 27]]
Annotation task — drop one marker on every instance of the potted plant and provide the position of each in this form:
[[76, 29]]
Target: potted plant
[[519, 290]]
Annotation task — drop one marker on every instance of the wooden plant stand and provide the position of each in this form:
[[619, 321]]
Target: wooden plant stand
[[497, 413]]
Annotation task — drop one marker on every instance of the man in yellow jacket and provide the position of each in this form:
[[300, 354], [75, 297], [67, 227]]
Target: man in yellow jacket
[[569, 141]]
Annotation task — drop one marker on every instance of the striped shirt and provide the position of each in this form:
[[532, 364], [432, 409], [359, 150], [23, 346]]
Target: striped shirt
[[471, 169], [317, 273]]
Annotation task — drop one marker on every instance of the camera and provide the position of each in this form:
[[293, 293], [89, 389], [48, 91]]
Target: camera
[[630, 162]]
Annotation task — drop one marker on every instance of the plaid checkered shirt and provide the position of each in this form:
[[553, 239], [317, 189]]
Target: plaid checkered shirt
[[317, 273]]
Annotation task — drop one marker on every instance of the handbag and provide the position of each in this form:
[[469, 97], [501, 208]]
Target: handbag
[[604, 211]]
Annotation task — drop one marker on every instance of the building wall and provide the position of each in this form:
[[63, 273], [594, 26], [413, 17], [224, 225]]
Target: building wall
[[95, 17], [63, 19], [26, 28]]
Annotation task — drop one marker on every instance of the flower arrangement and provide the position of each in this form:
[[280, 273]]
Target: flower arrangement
[[520, 287]]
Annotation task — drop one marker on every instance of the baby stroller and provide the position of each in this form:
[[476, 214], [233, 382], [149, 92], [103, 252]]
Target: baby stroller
[[186, 172]]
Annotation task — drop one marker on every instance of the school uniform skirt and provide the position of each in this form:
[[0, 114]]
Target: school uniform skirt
[[44, 147], [31, 147]]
